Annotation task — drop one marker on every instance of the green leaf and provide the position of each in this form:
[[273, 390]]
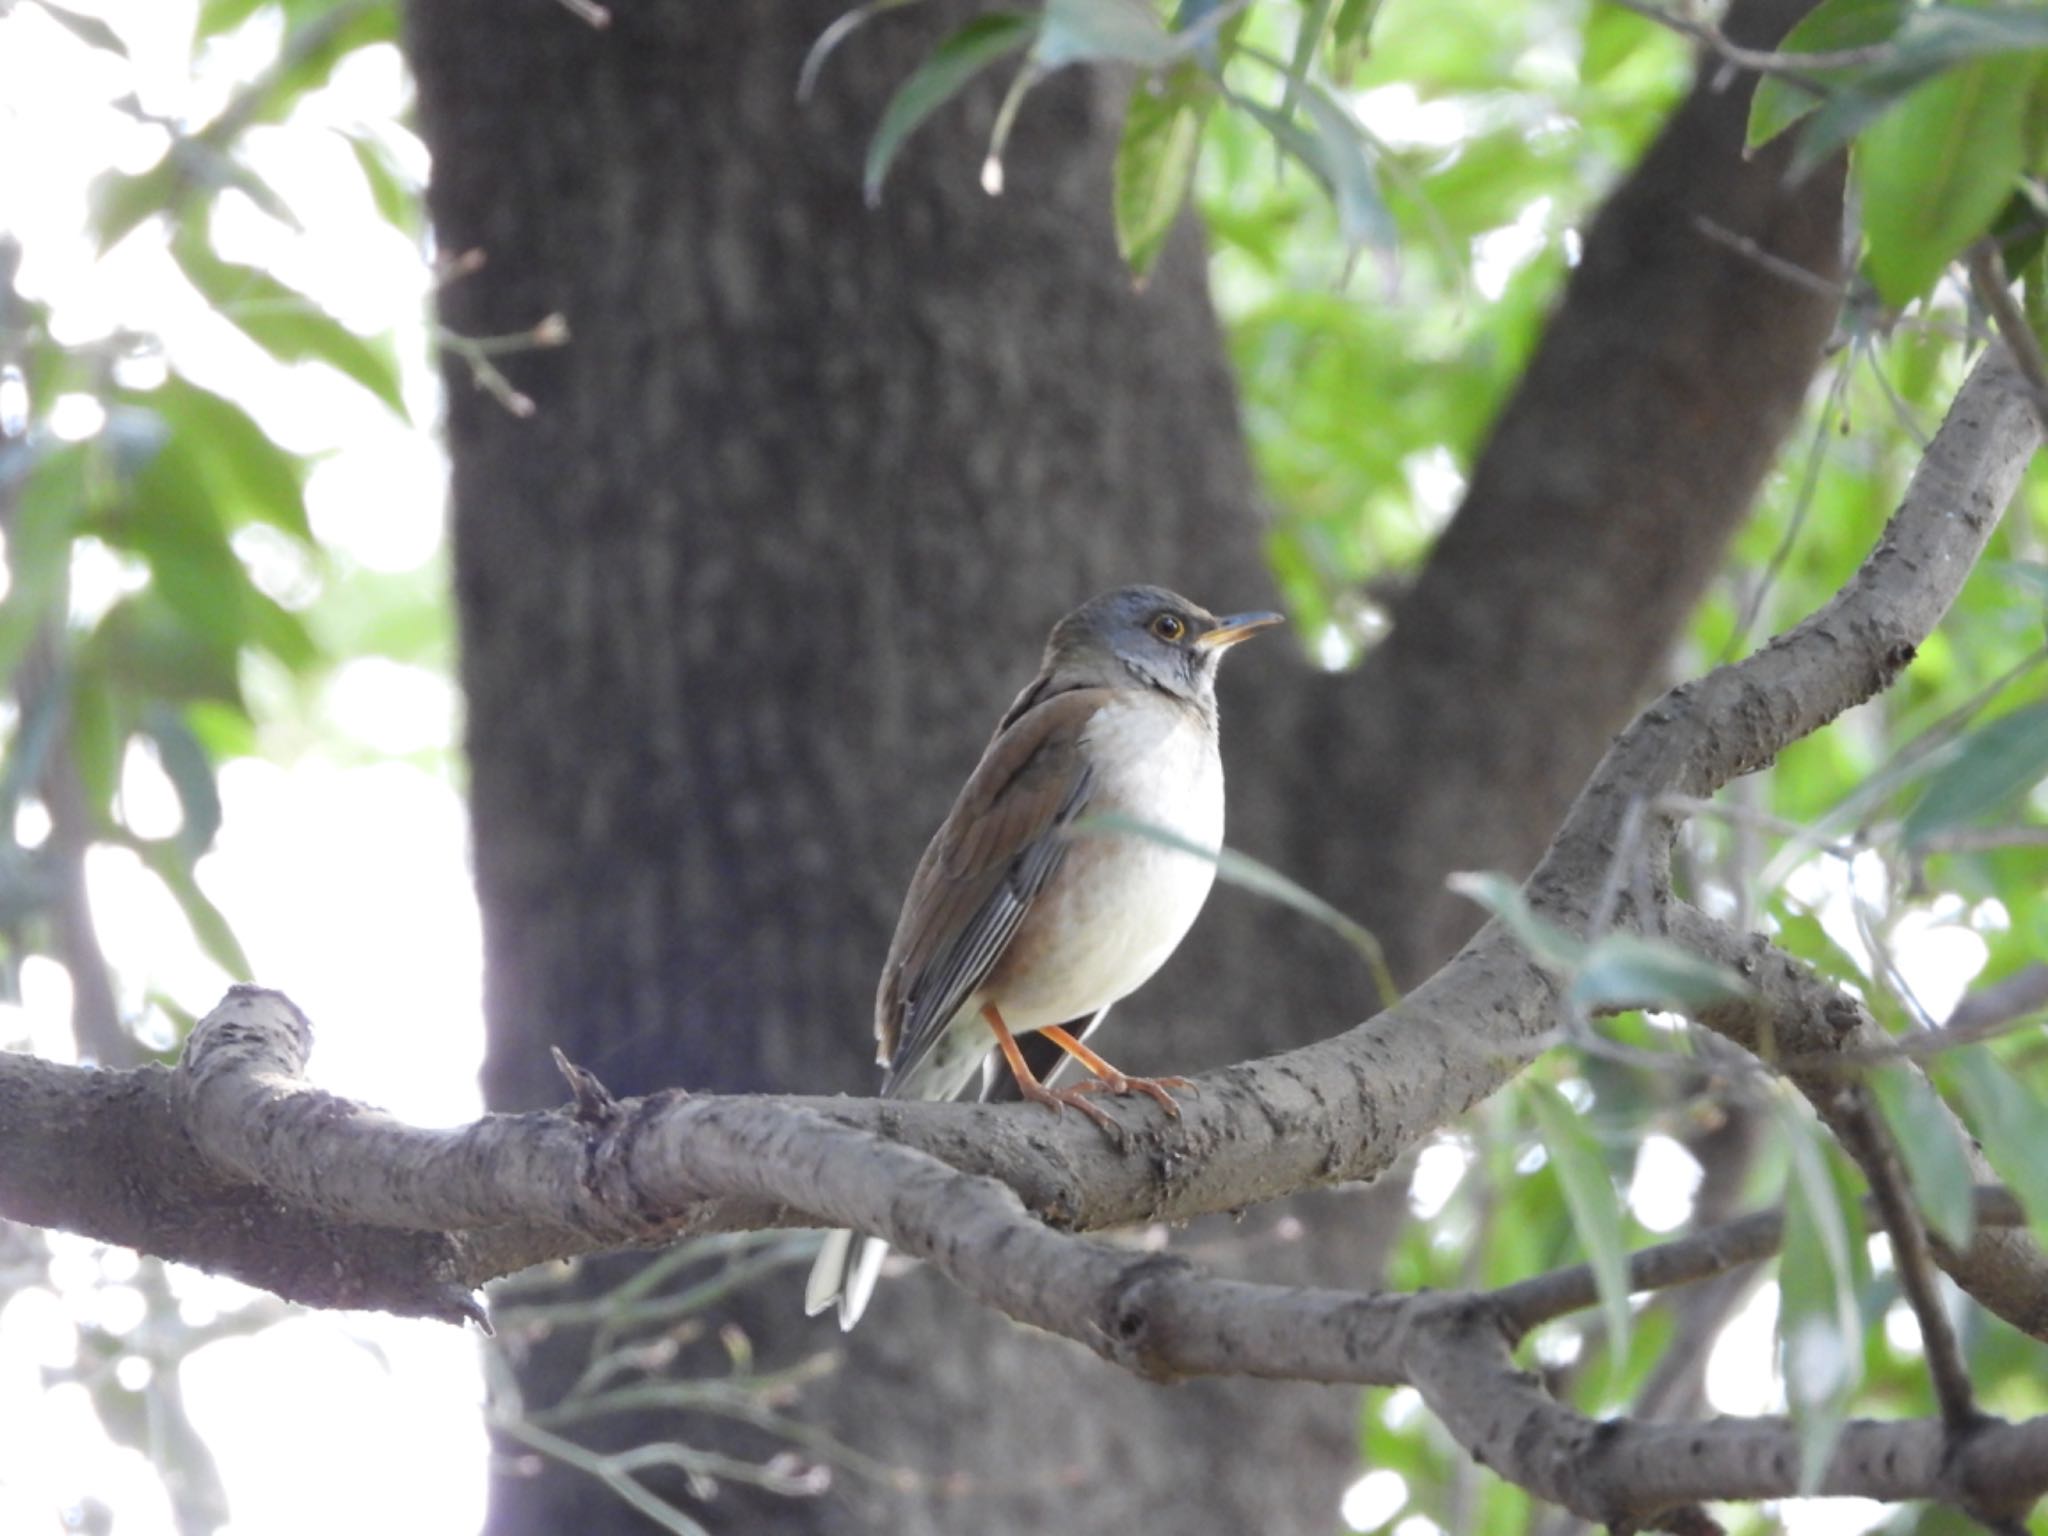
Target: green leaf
[[1155, 165], [951, 65], [245, 474], [1315, 14], [218, 16], [1208, 29], [1335, 150], [396, 199], [1363, 218], [152, 650], [167, 859], [52, 501], [1353, 27], [1612, 37], [2006, 1118], [119, 201], [1830, 27], [1594, 1205], [1937, 1161], [1623, 970], [1931, 39], [99, 733], [1548, 945], [1996, 763], [285, 323], [190, 770], [1820, 1326], [1098, 31], [1937, 170]]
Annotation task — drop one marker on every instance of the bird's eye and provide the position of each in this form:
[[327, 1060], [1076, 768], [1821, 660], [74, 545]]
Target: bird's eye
[[1169, 626]]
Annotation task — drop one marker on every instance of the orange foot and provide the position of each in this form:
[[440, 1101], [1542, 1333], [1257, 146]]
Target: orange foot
[[1057, 1099], [1108, 1080]]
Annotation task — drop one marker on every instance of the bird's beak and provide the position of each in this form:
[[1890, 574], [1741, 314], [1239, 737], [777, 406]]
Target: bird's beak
[[1235, 627]]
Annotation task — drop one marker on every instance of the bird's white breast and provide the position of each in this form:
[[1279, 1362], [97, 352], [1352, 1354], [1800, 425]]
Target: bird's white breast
[[1121, 903]]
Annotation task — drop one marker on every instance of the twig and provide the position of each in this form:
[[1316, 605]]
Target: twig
[[1798, 68], [1984, 1015], [1993, 288], [1984, 839], [1809, 486], [1777, 266], [1870, 1142], [1684, 1260], [1760, 820]]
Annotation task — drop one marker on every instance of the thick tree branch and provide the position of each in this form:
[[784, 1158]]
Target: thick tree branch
[[246, 1112]]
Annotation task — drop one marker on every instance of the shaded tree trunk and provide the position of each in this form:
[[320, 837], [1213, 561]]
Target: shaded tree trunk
[[742, 601]]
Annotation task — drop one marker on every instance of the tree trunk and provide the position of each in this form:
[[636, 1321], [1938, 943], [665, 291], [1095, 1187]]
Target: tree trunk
[[740, 604]]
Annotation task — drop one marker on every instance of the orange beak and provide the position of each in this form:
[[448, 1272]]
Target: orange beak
[[1235, 627]]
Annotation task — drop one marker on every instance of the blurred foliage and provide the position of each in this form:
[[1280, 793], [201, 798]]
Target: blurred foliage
[[1392, 193]]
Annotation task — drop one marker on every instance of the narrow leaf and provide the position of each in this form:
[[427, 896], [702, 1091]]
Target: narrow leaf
[[828, 41], [1363, 218], [1247, 873], [1625, 971], [1097, 31], [1155, 165], [1315, 14], [1937, 1161], [1548, 945], [287, 324], [167, 860], [396, 199], [1332, 147], [1820, 1329], [245, 473], [190, 770], [2006, 1118], [1996, 763], [119, 201], [1595, 1207], [90, 30], [1830, 27], [955, 62]]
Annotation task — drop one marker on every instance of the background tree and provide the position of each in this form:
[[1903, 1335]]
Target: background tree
[[703, 584]]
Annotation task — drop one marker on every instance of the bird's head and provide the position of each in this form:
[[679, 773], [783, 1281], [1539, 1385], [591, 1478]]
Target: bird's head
[[1152, 637]]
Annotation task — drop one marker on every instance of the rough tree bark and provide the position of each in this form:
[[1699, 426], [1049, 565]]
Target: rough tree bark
[[740, 603]]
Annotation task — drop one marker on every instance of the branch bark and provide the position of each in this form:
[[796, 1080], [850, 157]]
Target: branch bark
[[629, 1170]]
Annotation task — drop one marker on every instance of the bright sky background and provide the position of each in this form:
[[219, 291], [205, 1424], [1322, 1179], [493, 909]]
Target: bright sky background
[[347, 877]]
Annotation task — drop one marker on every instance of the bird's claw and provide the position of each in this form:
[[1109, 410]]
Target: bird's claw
[[1057, 1099], [1158, 1089]]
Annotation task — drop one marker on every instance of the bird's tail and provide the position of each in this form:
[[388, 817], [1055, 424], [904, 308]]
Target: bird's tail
[[845, 1271], [847, 1266]]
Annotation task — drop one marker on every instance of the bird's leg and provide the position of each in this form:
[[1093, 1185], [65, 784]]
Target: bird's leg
[[1109, 1080], [1031, 1088]]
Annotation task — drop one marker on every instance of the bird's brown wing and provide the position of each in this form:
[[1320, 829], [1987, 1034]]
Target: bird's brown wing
[[993, 855]]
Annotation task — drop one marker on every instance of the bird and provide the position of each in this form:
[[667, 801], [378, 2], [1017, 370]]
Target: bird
[[1019, 919]]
